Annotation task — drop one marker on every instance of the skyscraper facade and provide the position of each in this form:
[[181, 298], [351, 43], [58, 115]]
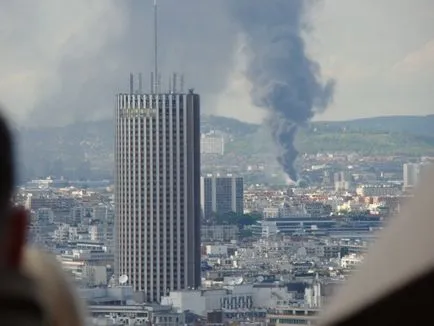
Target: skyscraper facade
[[157, 180]]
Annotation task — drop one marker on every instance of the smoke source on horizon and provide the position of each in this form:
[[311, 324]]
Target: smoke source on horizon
[[285, 81]]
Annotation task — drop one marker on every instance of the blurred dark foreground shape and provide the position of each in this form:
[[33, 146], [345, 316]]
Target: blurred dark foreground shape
[[33, 288], [19, 303], [38, 294], [395, 284], [55, 293]]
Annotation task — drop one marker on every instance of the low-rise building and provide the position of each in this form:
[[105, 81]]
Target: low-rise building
[[224, 233]]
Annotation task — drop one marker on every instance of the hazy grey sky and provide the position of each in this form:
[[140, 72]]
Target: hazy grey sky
[[381, 52], [62, 60]]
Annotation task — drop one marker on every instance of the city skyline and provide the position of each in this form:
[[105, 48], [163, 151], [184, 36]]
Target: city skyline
[[162, 209]]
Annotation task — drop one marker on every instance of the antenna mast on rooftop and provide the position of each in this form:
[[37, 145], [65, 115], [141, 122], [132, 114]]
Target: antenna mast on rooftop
[[140, 91], [182, 83], [131, 83], [156, 76]]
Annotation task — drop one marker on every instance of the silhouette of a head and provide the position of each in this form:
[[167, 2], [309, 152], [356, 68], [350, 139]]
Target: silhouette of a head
[[13, 220], [7, 177]]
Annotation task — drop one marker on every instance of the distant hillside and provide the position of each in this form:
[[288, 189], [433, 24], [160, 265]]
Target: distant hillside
[[83, 150], [398, 135], [78, 150], [365, 142], [415, 125], [227, 125]]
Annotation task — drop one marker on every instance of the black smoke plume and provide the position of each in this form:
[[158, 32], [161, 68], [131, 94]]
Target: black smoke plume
[[285, 81]]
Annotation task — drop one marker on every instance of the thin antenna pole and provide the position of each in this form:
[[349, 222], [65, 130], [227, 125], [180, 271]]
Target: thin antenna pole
[[131, 84], [140, 84], [174, 83], [156, 47], [182, 83]]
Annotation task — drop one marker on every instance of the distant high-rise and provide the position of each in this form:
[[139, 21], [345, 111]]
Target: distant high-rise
[[221, 195], [157, 183], [342, 181], [212, 144], [412, 173]]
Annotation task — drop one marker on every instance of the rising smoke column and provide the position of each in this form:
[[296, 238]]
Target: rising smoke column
[[285, 81]]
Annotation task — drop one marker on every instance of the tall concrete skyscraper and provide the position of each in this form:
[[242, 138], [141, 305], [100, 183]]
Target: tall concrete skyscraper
[[157, 181], [158, 191]]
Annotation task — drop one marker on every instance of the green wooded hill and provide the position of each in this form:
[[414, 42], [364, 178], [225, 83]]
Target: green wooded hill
[[414, 125], [85, 149], [396, 135]]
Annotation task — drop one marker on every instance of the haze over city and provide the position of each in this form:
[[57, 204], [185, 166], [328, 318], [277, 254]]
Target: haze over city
[[78, 53], [217, 162]]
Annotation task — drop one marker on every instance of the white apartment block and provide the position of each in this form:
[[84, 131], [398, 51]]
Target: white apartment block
[[212, 144]]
